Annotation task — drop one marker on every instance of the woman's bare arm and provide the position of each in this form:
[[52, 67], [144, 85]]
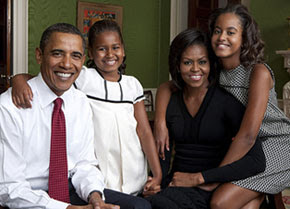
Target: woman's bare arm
[[160, 129]]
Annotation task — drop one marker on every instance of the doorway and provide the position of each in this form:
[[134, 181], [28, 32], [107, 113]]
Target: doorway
[[199, 11], [5, 43]]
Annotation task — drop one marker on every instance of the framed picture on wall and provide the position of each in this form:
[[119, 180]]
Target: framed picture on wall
[[89, 13]]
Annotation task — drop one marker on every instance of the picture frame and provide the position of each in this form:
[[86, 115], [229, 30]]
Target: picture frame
[[88, 13]]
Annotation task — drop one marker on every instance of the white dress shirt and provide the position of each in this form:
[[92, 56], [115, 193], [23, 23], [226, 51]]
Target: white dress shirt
[[25, 148]]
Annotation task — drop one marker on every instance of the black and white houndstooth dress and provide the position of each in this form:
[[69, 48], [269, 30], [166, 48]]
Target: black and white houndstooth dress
[[274, 133]]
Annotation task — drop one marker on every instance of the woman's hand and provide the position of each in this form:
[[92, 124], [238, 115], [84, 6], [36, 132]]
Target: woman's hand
[[151, 187], [182, 179], [161, 138], [21, 91]]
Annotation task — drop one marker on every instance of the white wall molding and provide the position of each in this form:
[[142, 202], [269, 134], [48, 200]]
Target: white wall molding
[[20, 36], [178, 17]]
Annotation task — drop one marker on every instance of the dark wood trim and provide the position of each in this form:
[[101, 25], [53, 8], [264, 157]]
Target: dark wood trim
[[198, 13], [234, 1], [9, 41], [6, 42], [278, 201], [191, 15]]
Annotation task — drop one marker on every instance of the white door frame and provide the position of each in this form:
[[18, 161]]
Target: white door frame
[[20, 36], [178, 17]]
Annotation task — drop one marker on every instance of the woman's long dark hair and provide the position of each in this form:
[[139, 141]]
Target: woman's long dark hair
[[100, 27], [252, 49], [180, 43]]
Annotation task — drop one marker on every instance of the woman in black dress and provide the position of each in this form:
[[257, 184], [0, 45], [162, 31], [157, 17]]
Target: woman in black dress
[[202, 119]]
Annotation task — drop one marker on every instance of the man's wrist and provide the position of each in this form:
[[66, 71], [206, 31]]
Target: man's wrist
[[95, 191]]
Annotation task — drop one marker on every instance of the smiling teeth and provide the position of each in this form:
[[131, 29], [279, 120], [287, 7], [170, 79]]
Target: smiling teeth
[[222, 46], [196, 77], [111, 62], [64, 75]]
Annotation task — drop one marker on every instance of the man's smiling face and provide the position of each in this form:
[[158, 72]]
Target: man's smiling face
[[61, 61]]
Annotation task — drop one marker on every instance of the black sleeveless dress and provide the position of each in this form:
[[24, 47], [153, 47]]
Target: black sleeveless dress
[[200, 143]]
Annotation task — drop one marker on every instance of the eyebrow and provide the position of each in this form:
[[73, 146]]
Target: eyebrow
[[78, 53], [104, 45], [228, 28], [203, 57], [56, 50], [62, 51]]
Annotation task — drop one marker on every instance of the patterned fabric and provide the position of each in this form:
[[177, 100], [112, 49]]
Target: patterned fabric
[[274, 133], [58, 171]]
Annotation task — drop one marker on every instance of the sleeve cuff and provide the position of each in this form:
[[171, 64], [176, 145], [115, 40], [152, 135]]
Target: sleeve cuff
[[52, 204]]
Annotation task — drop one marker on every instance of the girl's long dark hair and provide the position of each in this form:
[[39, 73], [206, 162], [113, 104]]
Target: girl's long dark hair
[[252, 49]]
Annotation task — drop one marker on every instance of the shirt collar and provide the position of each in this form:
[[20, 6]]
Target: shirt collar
[[46, 96]]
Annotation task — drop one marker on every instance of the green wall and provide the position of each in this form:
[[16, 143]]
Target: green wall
[[146, 29], [271, 18]]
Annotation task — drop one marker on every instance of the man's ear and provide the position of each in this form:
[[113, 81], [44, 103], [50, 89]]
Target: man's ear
[[38, 55]]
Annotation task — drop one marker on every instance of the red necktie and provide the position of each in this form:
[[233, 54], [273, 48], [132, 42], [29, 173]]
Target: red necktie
[[58, 172]]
